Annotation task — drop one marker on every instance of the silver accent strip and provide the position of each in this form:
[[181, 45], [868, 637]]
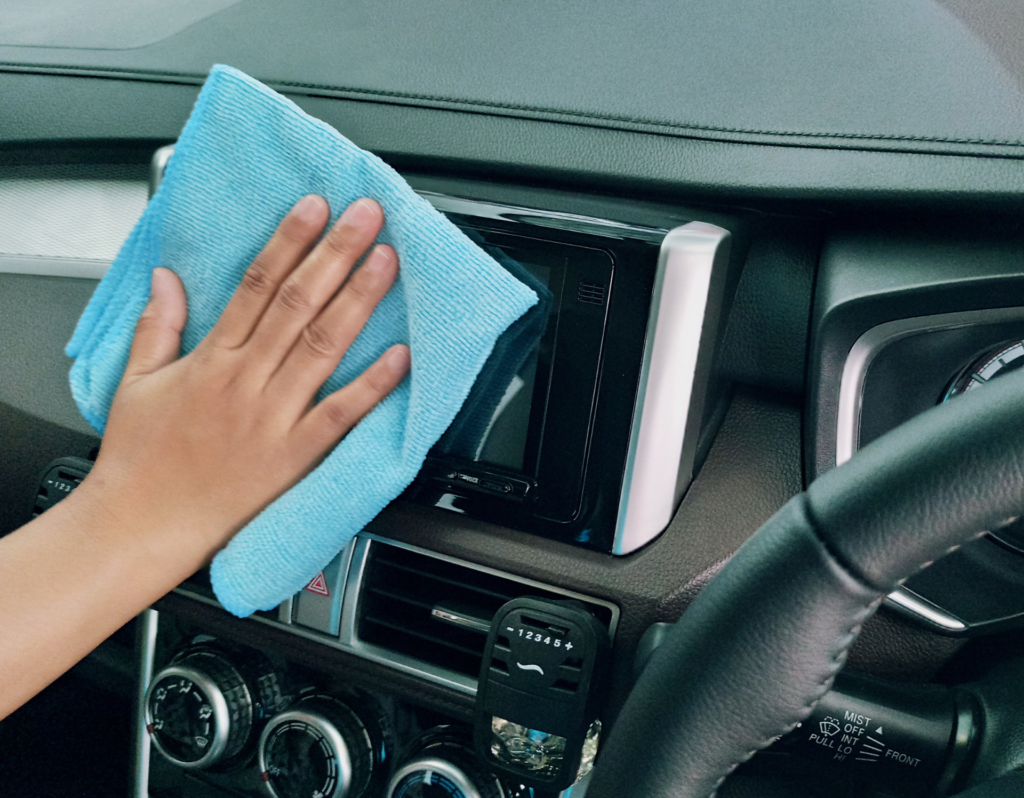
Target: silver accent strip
[[456, 618], [430, 765], [911, 604], [681, 335], [157, 167], [82, 268], [357, 554], [866, 348], [328, 730], [851, 397], [145, 647], [590, 225], [221, 715]]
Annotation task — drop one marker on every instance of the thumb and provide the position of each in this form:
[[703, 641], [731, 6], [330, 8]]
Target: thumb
[[158, 333]]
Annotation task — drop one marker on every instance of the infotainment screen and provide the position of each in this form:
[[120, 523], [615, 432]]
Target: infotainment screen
[[522, 433]]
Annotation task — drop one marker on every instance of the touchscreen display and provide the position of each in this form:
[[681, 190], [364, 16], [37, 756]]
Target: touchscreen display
[[494, 424]]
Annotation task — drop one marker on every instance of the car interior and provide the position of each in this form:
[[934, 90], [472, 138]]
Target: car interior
[[732, 511]]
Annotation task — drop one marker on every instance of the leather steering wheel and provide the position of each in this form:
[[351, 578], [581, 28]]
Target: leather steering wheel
[[764, 640]]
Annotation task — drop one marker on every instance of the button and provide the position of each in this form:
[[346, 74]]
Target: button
[[318, 605]]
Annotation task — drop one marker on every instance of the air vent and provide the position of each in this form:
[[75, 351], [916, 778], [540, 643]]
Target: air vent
[[437, 611], [591, 293]]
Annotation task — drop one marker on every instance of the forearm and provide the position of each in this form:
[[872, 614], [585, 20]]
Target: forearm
[[72, 577]]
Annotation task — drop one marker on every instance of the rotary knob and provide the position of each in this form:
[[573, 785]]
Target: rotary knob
[[445, 769], [201, 710], [318, 747]]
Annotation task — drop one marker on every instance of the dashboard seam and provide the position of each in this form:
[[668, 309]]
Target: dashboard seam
[[582, 117]]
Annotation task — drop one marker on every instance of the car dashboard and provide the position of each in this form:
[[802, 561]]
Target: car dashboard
[[771, 234]]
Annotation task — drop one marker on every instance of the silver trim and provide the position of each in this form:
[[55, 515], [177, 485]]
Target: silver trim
[[221, 715], [456, 618], [681, 336], [589, 225], [866, 348], [329, 730], [80, 268], [431, 765], [851, 397], [145, 646], [918, 608], [157, 166]]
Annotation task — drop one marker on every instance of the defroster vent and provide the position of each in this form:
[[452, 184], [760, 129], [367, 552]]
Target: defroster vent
[[438, 611]]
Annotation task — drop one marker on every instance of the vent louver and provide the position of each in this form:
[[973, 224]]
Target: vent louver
[[591, 293], [404, 593]]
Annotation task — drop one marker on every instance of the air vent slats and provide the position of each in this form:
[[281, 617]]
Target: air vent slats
[[400, 588]]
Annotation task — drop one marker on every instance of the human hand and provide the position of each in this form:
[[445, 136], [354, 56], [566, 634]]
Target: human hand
[[197, 446]]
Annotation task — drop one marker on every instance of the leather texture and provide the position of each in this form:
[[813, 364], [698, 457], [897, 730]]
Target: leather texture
[[910, 75], [764, 640]]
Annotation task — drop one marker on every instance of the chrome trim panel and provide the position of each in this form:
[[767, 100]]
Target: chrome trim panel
[[157, 167], [681, 334], [867, 347], [589, 225], [908, 603], [851, 397], [354, 562], [145, 647], [82, 268]]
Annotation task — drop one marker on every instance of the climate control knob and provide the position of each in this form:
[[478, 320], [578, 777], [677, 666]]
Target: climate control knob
[[199, 710], [318, 747], [445, 768]]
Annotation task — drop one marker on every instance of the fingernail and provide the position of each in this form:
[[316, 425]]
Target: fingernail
[[398, 360], [158, 281], [310, 208], [361, 212], [380, 259]]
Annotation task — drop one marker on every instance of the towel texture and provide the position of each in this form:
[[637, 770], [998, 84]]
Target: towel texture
[[245, 157]]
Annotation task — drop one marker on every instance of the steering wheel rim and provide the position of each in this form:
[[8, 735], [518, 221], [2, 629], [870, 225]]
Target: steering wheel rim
[[763, 641]]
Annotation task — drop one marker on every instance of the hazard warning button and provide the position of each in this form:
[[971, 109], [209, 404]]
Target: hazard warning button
[[319, 585], [318, 605]]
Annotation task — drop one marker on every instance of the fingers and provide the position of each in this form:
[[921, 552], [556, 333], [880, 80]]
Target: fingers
[[330, 421], [306, 290], [158, 333], [324, 341], [291, 242]]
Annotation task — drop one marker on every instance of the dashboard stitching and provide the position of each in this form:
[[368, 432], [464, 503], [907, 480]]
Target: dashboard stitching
[[191, 79]]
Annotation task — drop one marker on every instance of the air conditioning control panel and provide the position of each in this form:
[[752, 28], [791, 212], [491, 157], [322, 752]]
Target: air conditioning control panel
[[223, 719]]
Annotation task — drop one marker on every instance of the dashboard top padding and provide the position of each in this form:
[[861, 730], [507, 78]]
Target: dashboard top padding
[[910, 75]]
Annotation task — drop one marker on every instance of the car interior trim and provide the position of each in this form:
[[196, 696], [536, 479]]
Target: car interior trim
[[851, 395], [681, 333], [81, 268], [148, 623], [908, 603], [354, 561]]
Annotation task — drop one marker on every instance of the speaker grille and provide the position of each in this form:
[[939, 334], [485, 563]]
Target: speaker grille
[[591, 293]]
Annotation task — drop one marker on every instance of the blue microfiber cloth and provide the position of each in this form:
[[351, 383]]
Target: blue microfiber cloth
[[243, 160]]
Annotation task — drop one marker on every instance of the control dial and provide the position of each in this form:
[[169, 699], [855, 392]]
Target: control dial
[[199, 711], [445, 770], [319, 748]]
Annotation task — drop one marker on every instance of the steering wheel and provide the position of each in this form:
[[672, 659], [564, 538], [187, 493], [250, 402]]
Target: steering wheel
[[762, 643]]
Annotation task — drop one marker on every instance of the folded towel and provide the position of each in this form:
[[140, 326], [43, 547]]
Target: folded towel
[[245, 157]]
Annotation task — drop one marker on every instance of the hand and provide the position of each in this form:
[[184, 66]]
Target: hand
[[197, 446]]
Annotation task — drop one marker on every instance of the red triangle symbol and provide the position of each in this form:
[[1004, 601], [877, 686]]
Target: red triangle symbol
[[319, 585]]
